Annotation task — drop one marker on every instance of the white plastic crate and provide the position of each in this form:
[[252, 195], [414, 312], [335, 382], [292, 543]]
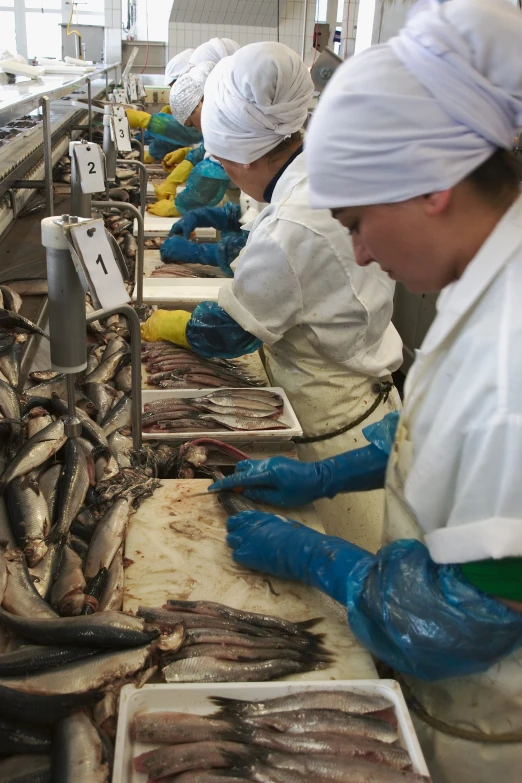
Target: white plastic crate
[[194, 698]]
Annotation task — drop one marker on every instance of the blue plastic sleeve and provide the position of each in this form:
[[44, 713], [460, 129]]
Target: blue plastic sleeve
[[212, 332], [196, 155], [166, 128], [206, 185]]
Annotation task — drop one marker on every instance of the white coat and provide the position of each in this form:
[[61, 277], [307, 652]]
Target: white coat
[[326, 325]]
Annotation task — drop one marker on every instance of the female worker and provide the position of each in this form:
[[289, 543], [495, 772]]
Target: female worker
[[164, 133], [324, 321], [206, 180], [433, 194]]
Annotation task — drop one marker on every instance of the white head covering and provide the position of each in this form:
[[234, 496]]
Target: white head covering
[[187, 92], [213, 51], [178, 66], [421, 112], [254, 100]]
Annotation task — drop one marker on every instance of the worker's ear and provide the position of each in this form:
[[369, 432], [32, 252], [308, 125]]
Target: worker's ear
[[437, 203]]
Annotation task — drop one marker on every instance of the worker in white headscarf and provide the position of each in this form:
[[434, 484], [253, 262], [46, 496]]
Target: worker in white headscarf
[[325, 322], [213, 51], [178, 66], [206, 180], [410, 146]]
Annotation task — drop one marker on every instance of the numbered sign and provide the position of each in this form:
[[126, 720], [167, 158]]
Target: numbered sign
[[120, 96], [133, 87], [118, 111], [92, 174], [101, 270], [141, 87], [121, 134]]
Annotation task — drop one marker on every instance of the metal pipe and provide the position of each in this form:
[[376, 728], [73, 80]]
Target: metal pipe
[[143, 182], [135, 331], [89, 100], [45, 103], [142, 142], [140, 146], [109, 148], [138, 274], [107, 84]]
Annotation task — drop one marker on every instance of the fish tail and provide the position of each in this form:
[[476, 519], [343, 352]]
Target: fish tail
[[244, 760], [235, 706], [305, 624]]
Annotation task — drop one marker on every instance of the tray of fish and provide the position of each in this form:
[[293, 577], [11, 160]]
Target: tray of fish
[[233, 415], [180, 291], [353, 731]]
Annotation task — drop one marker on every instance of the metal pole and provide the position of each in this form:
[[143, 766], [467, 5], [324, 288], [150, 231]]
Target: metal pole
[[45, 103], [80, 201], [89, 99], [142, 142], [143, 182], [139, 146], [138, 274], [134, 326], [107, 84]]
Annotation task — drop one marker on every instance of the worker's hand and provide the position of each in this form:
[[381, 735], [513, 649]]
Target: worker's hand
[[182, 250], [166, 325], [164, 208], [166, 110], [205, 217], [278, 481], [138, 119], [147, 157], [171, 159], [286, 549], [175, 178]]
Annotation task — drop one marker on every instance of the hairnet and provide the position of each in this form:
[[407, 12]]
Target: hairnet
[[187, 92], [213, 51], [178, 66], [253, 100], [421, 112]]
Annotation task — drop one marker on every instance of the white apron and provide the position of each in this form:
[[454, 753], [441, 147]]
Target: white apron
[[326, 397], [489, 703]]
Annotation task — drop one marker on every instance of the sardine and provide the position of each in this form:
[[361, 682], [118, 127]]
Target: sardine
[[167, 619], [78, 751], [11, 320], [35, 452], [20, 595], [207, 669], [103, 397], [123, 379], [203, 636], [39, 708], [26, 769], [116, 345], [106, 465], [19, 738], [105, 713], [118, 417], [43, 375], [10, 365], [29, 287], [35, 658], [29, 515], [43, 574], [176, 728], [232, 652], [9, 401], [345, 770], [112, 597], [210, 776], [90, 429], [72, 489], [121, 447], [240, 422], [12, 299], [173, 759], [3, 571], [93, 673], [84, 525], [105, 371], [331, 722], [345, 701], [130, 246], [48, 483], [70, 578], [37, 420], [107, 538]]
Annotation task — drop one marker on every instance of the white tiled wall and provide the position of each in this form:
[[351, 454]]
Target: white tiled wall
[[112, 31], [183, 36]]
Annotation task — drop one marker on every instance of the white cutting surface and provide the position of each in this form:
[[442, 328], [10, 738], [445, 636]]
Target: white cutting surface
[[156, 226], [180, 293], [177, 545], [152, 259], [251, 362]]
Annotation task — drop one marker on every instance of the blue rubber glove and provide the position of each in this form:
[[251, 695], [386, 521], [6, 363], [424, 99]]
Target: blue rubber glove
[[220, 254], [419, 617], [224, 218], [212, 332], [288, 483]]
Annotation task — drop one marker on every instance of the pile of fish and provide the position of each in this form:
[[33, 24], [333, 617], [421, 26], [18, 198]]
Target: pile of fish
[[172, 367], [305, 737], [185, 270], [222, 644], [232, 409]]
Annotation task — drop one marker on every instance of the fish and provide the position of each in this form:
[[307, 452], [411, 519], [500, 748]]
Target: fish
[[107, 538], [19, 738], [40, 708], [255, 402], [29, 287], [84, 525], [168, 619], [331, 722], [12, 299], [56, 385], [35, 452], [10, 364], [29, 515], [44, 375], [130, 246], [119, 417], [239, 422], [90, 430], [26, 769], [176, 728], [209, 776], [237, 411], [345, 701], [123, 379], [111, 598], [34, 658], [106, 630], [323, 768], [96, 672], [173, 759], [44, 572], [11, 320], [69, 579], [105, 370], [103, 397], [105, 713], [9, 402], [237, 652], [72, 489], [48, 483], [20, 595], [37, 420], [214, 609], [203, 636], [121, 447], [78, 752], [106, 465], [208, 669]]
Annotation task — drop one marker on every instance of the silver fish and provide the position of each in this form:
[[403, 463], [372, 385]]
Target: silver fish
[[106, 466], [29, 287], [38, 420], [20, 595], [123, 379], [353, 746], [331, 722], [345, 701], [70, 578], [207, 669], [29, 516], [121, 447], [107, 538], [73, 486], [112, 597], [9, 401], [44, 572], [103, 397], [173, 759], [35, 452], [10, 365], [79, 751], [345, 770], [118, 417], [105, 370], [26, 769], [12, 299], [176, 728], [239, 422]]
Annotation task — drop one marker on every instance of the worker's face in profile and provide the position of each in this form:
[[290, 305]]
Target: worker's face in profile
[[402, 238], [245, 176], [194, 121]]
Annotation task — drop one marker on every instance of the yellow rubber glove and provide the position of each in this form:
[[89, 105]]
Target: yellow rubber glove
[[164, 208], [166, 110], [166, 325], [138, 119], [175, 178], [147, 157], [172, 159]]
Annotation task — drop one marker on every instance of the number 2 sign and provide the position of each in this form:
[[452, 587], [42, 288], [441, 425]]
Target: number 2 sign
[[92, 174]]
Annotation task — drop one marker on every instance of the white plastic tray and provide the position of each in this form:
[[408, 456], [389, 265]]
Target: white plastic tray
[[180, 291], [230, 436], [156, 226], [193, 698]]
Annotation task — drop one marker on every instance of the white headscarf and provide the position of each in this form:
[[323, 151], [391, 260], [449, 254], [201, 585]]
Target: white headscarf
[[213, 51], [420, 113], [254, 100], [187, 92], [178, 66]]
